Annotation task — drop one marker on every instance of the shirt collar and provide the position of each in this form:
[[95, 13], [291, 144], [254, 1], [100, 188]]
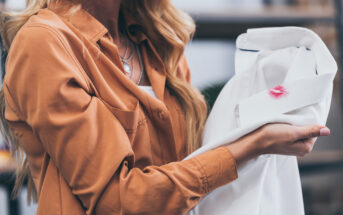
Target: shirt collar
[[91, 28]]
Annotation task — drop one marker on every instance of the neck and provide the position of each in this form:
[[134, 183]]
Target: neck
[[106, 12]]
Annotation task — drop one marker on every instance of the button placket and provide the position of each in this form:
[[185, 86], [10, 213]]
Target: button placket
[[166, 135]]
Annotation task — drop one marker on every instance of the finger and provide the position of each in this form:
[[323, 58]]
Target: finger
[[308, 140], [311, 131], [324, 131], [302, 147]]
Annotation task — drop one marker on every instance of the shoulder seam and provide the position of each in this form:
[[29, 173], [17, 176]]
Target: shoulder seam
[[63, 43]]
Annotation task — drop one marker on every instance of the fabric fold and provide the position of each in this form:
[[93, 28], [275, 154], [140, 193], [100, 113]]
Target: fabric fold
[[282, 75]]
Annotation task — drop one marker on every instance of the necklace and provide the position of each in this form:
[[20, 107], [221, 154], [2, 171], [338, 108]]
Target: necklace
[[140, 65], [126, 61]]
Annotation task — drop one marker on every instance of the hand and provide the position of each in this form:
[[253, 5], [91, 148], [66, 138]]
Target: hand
[[277, 138], [287, 139]]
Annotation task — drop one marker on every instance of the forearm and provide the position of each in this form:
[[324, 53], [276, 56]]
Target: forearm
[[173, 188]]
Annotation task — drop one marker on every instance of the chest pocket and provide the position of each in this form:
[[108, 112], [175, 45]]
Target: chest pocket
[[129, 119]]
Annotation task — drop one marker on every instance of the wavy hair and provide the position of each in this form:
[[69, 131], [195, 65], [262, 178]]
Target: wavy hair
[[169, 30]]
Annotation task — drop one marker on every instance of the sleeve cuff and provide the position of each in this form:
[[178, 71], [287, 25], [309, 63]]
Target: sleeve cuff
[[217, 167]]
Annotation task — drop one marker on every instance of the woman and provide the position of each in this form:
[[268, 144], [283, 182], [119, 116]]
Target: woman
[[96, 141]]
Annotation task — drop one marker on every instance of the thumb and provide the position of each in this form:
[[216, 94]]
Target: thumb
[[325, 131], [311, 131]]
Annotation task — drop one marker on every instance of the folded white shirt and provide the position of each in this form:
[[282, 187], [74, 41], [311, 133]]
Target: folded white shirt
[[282, 75]]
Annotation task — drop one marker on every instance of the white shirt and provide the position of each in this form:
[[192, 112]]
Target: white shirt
[[282, 75], [149, 90]]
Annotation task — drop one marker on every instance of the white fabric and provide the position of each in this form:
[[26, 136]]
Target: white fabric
[[149, 90], [298, 62]]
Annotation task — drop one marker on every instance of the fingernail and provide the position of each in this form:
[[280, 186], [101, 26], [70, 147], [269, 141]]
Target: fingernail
[[324, 131]]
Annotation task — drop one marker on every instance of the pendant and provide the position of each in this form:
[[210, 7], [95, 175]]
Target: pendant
[[127, 68]]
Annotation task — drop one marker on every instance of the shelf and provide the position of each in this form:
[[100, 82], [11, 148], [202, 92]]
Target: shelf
[[7, 167], [228, 23], [321, 162]]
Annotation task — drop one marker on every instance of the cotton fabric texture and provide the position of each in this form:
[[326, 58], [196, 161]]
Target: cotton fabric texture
[[96, 143], [149, 90], [283, 75]]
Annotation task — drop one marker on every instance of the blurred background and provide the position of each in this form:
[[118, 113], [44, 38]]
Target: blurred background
[[211, 59]]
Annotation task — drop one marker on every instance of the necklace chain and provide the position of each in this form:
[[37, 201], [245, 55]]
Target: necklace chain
[[141, 66], [128, 66]]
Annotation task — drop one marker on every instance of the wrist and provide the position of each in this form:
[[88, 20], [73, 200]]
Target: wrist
[[262, 143], [246, 148]]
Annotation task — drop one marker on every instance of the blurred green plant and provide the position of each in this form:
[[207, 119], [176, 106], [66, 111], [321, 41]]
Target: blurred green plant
[[211, 93]]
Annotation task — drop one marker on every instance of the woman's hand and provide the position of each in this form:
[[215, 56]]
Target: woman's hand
[[277, 138], [286, 139]]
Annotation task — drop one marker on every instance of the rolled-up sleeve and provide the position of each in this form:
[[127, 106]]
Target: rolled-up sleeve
[[88, 144]]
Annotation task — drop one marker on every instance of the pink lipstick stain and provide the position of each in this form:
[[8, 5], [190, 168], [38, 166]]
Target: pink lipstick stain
[[278, 92]]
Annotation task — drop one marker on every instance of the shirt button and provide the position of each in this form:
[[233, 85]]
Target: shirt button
[[161, 115]]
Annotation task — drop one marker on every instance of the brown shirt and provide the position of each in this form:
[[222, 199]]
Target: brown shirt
[[96, 143]]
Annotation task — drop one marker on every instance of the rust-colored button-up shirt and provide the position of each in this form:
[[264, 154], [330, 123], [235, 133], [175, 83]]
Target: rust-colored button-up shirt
[[96, 143]]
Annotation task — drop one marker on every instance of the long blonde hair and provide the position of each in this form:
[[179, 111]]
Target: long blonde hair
[[169, 30]]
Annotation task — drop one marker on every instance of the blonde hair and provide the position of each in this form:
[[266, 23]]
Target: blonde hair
[[169, 30]]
